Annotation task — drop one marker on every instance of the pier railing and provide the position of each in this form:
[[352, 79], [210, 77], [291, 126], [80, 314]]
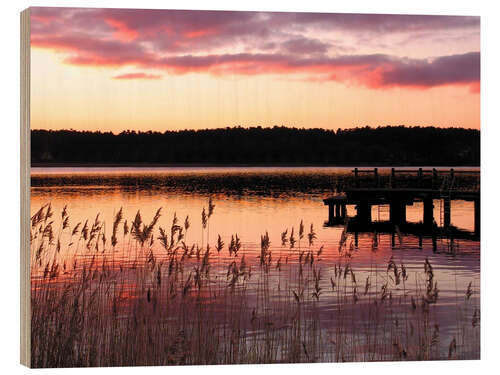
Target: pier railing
[[435, 179]]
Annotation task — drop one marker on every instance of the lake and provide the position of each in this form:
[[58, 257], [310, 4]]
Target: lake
[[250, 202]]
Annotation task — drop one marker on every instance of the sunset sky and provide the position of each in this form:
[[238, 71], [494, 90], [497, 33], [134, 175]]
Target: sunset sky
[[118, 69]]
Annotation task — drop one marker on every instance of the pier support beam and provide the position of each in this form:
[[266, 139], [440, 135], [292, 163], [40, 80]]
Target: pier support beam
[[428, 212], [331, 213], [447, 212], [477, 217], [336, 213], [397, 212], [364, 212]]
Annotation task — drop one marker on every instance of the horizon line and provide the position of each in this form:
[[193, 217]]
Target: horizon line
[[251, 127]]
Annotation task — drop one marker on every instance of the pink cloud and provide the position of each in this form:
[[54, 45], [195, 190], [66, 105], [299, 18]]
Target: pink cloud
[[122, 33], [199, 33], [182, 42], [475, 87], [137, 76], [81, 50]]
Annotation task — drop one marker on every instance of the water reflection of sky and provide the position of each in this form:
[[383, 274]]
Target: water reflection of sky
[[251, 214]]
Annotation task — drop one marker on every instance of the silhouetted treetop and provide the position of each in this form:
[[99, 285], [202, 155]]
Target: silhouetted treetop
[[389, 145]]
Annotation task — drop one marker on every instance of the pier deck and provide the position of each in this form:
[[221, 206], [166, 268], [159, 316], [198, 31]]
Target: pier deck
[[364, 197]]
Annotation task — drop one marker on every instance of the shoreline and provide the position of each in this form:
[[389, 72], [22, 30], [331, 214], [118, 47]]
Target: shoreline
[[242, 165]]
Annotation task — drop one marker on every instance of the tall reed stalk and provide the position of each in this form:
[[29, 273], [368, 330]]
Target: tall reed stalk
[[160, 301]]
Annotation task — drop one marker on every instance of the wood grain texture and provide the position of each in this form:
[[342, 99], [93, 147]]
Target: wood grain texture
[[25, 189]]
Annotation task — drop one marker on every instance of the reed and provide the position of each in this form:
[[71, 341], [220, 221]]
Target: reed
[[149, 297]]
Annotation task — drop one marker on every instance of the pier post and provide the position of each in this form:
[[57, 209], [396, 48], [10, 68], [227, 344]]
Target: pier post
[[434, 178], [331, 213], [477, 216], [356, 180], [364, 212], [397, 212], [343, 211], [447, 212], [336, 211], [420, 176], [428, 212], [393, 177], [375, 176]]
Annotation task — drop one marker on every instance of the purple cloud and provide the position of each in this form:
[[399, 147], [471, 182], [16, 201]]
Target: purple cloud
[[303, 45], [181, 42], [455, 69]]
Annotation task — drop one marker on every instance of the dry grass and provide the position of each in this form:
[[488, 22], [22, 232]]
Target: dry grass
[[150, 297]]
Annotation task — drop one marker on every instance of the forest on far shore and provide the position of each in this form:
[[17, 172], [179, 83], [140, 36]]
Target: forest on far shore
[[388, 145]]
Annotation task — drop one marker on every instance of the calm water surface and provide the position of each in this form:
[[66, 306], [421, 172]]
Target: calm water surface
[[251, 201]]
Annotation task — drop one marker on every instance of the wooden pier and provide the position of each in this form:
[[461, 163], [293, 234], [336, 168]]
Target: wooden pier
[[367, 192]]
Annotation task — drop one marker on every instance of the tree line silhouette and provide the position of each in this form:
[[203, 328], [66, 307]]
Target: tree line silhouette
[[388, 145]]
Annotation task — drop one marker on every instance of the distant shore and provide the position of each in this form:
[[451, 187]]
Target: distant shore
[[245, 147], [235, 165]]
